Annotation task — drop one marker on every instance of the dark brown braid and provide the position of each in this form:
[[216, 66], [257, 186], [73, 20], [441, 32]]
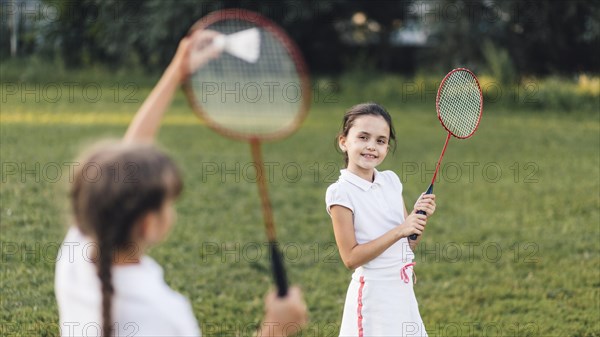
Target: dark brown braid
[[114, 186], [104, 264], [364, 109]]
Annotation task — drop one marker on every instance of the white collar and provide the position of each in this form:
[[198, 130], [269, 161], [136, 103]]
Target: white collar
[[361, 183]]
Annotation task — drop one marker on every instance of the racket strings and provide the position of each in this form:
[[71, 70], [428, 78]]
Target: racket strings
[[460, 104], [251, 99]]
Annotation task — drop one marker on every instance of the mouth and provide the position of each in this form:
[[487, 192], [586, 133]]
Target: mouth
[[369, 156]]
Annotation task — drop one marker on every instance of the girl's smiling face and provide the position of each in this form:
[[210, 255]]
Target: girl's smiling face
[[366, 144]]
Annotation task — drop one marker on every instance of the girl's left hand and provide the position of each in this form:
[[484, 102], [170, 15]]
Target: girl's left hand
[[426, 203], [194, 51]]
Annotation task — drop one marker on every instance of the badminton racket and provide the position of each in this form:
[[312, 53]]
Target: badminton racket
[[459, 105], [257, 90]]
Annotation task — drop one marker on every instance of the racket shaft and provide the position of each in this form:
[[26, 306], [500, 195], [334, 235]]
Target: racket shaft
[[262, 190], [430, 189], [439, 162], [276, 258]]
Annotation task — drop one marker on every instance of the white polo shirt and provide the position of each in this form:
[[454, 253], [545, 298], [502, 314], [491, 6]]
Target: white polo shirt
[[143, 304], [377, 207]]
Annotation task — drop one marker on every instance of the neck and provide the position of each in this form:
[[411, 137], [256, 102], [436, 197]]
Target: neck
[[130, 254], [366, 174]]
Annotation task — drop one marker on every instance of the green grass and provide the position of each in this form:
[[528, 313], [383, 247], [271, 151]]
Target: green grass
[[513, 249]]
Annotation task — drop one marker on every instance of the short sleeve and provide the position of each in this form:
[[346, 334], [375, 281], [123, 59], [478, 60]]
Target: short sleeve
[[396, 180], [336, 196]]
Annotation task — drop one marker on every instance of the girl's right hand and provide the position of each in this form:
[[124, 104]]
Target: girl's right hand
[[414, 224], [284, 316]]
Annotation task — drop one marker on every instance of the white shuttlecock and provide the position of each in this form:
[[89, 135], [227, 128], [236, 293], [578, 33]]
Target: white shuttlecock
[[244, 44]]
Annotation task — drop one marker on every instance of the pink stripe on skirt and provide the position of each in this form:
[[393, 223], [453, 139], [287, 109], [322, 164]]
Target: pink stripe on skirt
[[381, 302]]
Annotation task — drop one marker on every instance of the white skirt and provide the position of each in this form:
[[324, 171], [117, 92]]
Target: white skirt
[[381, 302]]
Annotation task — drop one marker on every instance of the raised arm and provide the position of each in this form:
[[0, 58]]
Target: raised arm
[[354, 254], [193, 52]]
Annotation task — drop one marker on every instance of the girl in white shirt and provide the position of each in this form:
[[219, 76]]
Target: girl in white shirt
[[372, 226], [122, 197]]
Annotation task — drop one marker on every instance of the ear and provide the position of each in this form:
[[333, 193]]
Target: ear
[[148, 229], [342, 143]]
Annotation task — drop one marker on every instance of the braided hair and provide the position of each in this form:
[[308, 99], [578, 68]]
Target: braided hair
[[115, 184]]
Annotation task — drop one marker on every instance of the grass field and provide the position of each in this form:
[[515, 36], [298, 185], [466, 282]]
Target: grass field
[[513, 250]]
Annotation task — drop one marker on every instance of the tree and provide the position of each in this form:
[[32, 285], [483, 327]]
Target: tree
[[541, 37]]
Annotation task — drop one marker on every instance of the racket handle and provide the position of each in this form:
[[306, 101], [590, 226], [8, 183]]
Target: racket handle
[[278, 270], [429, 191]]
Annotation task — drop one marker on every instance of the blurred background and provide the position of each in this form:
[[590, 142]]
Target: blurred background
[[514, 248], [511, 42], [518, 38]]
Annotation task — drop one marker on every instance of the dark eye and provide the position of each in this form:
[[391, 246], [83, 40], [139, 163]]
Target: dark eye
[[381, 141], [363, 137]]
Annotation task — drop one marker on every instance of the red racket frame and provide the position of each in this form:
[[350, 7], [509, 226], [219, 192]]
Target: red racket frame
[[437, 107], [291, 48]]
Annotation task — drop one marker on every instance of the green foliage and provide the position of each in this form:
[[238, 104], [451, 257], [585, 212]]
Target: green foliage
[[36, 69], [540, 37], [561, 94], [556, 94], [499, 63]]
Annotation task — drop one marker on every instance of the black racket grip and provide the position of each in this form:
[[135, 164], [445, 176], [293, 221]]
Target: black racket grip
[[278, 270], [429, 191], [414, 236]]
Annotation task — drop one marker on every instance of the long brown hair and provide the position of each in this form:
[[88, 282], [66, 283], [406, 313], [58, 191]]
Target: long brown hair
[[115, 184], [364, 109]]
